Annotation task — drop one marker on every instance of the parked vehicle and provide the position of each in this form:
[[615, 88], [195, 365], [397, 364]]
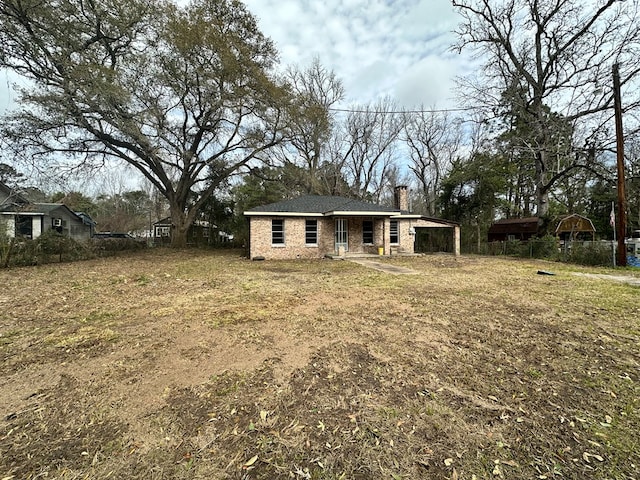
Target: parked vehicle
[[113, 235]]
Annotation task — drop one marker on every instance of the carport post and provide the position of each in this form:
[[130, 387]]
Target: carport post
[[456, 240]]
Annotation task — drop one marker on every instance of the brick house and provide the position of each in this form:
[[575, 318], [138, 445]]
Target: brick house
[[315, 226]]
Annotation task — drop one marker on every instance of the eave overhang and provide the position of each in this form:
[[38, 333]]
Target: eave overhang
[[348, 213], [282, 214]]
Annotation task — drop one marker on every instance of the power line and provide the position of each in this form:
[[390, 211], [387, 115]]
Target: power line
[[393, 112]]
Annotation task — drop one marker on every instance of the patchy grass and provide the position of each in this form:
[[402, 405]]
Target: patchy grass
[[170, 365]]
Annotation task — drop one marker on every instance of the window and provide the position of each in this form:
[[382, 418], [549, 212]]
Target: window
[[367, 232], [24, 226], [311, 232], [393, 232], [277, 231]]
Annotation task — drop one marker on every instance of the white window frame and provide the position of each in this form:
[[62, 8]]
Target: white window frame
[[393, 223]]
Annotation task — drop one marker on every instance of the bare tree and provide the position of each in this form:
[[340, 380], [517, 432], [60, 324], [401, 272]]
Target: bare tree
[[632, 154], [369, 147], [434, 140], [316, 90], [560, 53]]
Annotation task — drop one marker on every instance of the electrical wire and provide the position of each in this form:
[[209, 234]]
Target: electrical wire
[[393, 112]]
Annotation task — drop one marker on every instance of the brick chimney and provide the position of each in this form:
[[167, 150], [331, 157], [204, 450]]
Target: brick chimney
[[401, 198]]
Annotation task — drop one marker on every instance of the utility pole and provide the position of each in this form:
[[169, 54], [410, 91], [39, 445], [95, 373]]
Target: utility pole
[[621, 223]]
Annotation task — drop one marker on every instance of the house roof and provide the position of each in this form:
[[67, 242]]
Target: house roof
[[575, 223], [13, 197], [511, 221], [515, 226], [37, 209], [321, 205], [326, 206], [86, 218], [166, 222]]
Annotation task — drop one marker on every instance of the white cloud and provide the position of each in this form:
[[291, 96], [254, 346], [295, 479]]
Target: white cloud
[[428, 82], [377, 47]]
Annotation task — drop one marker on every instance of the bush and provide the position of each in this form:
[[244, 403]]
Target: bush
[[514, 247], [53, 247], [544, 247], [101, 246], [51, 243], [595, 254], [20, 252]]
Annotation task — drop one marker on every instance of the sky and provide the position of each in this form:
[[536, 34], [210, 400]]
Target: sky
[[6, 95], [395, 48], [377, 48]]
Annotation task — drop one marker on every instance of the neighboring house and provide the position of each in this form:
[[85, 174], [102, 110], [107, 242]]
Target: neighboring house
[[570, 227], [33, 219], [315, 226], [88, 221], [21, 218], [512, 229], [10, 196], [199, 232], [162, 231]]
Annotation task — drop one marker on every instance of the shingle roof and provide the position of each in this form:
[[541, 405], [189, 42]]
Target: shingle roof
[[321, 204], [163, 221], [36, 208], [13, 197], [509, 221]]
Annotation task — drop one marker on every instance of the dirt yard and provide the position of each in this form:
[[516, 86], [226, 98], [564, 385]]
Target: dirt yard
[[201, 365]]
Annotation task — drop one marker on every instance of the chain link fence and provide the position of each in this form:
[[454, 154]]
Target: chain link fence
[[596, 253]]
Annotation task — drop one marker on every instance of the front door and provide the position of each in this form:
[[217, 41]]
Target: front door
[[342, 236]]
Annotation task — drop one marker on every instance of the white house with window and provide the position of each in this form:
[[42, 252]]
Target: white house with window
[[199, 233], [314, 226]]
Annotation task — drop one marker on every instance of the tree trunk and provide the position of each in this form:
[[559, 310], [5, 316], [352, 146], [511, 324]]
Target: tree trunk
[[542, 192], [179, 227]]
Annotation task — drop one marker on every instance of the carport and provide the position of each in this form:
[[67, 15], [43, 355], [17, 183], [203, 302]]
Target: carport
[[434, 235]]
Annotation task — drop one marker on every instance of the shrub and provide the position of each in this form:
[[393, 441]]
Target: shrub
[[596, 254], [544, 247], [25, 252], [101, 246], [52, 243], [48, 247], [513, 247]]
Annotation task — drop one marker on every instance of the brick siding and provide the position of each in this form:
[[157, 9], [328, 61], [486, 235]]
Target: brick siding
[[294, 237]]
